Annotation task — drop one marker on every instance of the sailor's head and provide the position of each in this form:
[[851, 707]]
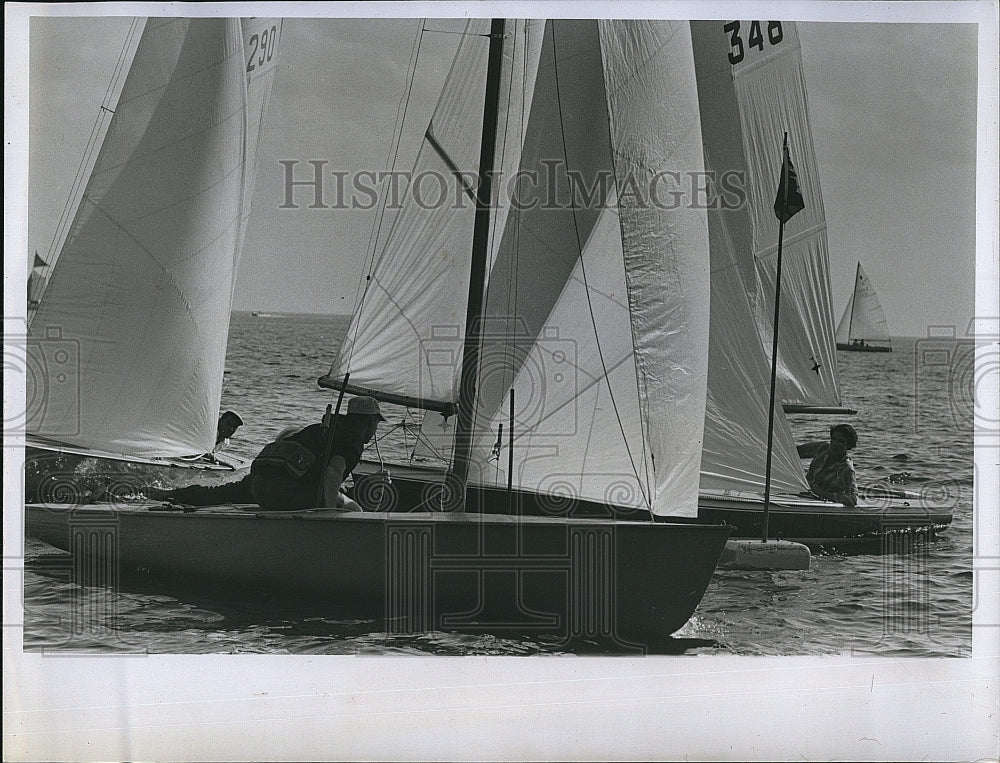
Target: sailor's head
[[365, 412], [843, 436], [229, 422]]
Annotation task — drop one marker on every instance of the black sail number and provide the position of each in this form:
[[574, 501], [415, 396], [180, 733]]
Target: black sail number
[[737, 52], [755, 38], [262, 48]]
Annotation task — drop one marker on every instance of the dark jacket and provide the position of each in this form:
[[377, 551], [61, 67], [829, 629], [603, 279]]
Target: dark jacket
[[287, 473]]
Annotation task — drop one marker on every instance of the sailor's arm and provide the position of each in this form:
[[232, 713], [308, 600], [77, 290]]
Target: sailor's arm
[[850, 495], [332, 480], [809, 449], [334, 477]]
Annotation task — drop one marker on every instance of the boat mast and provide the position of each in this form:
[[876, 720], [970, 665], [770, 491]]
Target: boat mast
[[854, 302], [455, 496]]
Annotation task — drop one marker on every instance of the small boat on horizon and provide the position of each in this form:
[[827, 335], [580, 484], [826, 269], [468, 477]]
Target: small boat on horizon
[[863, 327]]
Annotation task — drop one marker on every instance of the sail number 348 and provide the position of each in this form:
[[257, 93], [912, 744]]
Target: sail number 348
[[262, 48], [755, 38]]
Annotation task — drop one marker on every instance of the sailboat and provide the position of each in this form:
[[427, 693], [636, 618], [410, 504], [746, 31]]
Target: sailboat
[[127, 339], [590, 529], [751, 89], [738, 126], [863, 327]]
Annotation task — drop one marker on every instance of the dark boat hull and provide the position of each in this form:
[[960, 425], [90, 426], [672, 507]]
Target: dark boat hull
[[862, 348], [881, 524], [628, 582], [877, 520]]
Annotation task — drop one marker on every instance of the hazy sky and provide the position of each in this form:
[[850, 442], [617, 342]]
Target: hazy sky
[[893, 111]]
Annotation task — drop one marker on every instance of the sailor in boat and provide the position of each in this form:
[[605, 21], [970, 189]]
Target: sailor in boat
[[831, 473], [229, 422], [286, 474]]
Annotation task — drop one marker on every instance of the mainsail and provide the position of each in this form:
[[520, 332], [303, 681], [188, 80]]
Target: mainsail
[[863, 320], [596, 314], [759, 93], [411, 316], [138, 303]]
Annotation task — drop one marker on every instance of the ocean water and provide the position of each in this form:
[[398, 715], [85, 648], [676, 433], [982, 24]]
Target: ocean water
[[915, 422]]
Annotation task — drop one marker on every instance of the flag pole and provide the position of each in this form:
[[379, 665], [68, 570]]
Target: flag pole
[[774, 336]]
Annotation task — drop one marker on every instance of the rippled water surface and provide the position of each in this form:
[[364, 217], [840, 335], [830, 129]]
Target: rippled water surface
[[915, 423]]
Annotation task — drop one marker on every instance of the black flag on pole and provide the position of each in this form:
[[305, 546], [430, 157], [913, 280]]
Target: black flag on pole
[[789, 201]]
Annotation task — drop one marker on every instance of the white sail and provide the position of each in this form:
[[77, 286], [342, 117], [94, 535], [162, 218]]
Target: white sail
[[736, 416], [610, 313], [406, 333], [863, 319], [140, 296], [261, 40], [596, 313], [769, 90]]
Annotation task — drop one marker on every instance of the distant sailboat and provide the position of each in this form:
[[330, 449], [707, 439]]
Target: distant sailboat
[[863, 327], [129, 334]]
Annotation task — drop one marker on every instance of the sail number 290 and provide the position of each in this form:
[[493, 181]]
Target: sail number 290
[[262, 48], [755, 39]]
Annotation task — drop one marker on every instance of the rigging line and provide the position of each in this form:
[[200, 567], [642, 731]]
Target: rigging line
[[583, 270], [511, 281], [104, 114], [390, 163]]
